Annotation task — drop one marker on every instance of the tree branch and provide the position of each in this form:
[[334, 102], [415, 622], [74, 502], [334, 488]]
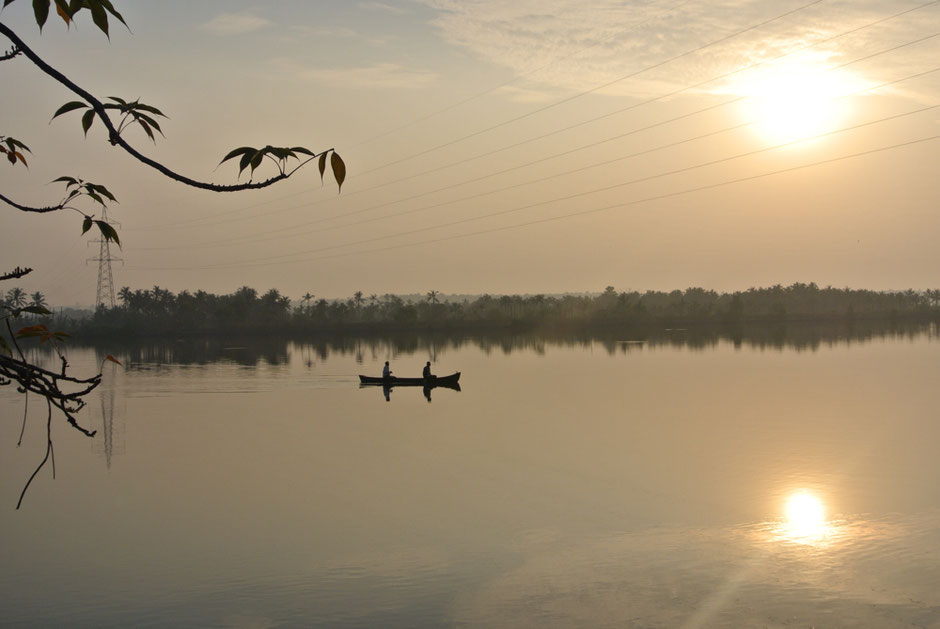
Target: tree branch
[[15, 273], [26, 208], [114, 136], [9, 54]]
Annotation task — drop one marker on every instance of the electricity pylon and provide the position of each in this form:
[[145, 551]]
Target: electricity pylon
[[105, 296]]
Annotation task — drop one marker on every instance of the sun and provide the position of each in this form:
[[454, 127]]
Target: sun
[[797, 100], [806, 516]]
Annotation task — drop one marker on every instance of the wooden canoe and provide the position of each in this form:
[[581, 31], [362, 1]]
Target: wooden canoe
[[433, 381]]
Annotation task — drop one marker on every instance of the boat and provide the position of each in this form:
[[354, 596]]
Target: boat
[[393, 381]]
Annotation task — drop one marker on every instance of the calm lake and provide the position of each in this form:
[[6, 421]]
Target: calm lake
[[623, 482]]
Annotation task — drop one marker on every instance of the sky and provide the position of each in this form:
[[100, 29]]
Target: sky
[[528, 147]]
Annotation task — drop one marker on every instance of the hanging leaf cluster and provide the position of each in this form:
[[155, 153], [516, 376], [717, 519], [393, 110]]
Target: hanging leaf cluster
[[251, 158], [67, 9], [75, 188], [13, 149], [133, 112], [107, 231]]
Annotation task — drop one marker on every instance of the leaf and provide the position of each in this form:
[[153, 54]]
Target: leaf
[[244, 162], [71, 181], [41, 11], [120, 101], [256, 159], [86, 224], [152, 110], [113, 359], [107, 5], [300, 149], [339, 170], [322, 166], [102, 190], [239, 151], [40, 310], [31, 331], [63, 10], [108, 232], [94, 196], [87, 118], [67, 107], [19, 155], [146, 128], [98, 16]]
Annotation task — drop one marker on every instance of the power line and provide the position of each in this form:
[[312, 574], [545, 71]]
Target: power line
[[250, 239], [569, 99], [266, 261], [596, 88]]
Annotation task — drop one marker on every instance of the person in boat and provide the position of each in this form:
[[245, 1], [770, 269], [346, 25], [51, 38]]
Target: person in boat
[[426, 373], [386, 372]]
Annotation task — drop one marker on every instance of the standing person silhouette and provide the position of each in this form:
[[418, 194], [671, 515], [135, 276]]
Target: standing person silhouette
[[386, 372]]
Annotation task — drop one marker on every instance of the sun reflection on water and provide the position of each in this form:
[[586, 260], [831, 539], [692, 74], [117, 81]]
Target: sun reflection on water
[[806, 521]]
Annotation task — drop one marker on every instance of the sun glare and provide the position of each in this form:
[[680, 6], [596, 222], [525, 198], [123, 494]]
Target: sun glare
[[806, 516], [796, 101]]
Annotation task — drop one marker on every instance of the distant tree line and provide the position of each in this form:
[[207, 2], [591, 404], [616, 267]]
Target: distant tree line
[[158, 311]]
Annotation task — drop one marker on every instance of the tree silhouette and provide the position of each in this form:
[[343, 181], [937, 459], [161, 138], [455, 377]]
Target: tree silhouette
[[38, 300], [16, 297]]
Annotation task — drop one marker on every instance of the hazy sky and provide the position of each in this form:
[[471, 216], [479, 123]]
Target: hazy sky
[[492, 146]]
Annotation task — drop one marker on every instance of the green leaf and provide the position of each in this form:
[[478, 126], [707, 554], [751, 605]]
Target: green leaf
[[86, 224], [300, 149], [87, 118], [71, 181], [239, 151], [118, 100], [322, 165], [41, 11], [98, 15], [67, 107], [339, 170], [107, 5], [108, 232], [152, 110], [244, 162], [146, 128], [103, 191], [256, 159]]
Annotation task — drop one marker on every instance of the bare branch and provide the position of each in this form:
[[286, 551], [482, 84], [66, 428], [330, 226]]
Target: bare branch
[[26, 208], [114, 136]]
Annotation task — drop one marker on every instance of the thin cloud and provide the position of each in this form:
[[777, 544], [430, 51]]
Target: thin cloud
[[235, 23], [379, 75], [382, 6], [557, 44]]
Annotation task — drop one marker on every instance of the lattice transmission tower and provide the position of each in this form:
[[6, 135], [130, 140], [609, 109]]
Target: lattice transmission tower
[[105, 296]]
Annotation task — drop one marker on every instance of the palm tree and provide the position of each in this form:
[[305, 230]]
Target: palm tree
[[307, 298], [432, 296], [38, 300], [16, 297], [357, 297], [125, 296]]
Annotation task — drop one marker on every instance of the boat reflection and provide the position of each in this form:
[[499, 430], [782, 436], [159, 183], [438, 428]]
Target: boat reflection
[[425, 388]]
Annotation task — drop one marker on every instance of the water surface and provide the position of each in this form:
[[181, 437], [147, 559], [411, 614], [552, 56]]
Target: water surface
[[617, 482]]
